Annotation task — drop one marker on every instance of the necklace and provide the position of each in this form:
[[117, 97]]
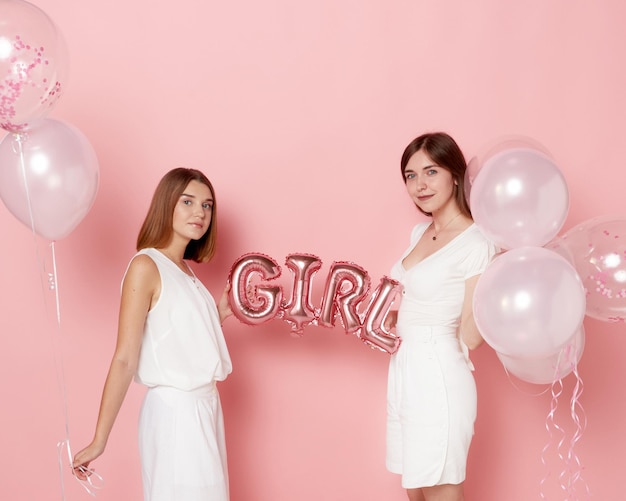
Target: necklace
[[436, 233], [187, 271]]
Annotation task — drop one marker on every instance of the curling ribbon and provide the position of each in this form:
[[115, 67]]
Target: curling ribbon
[[572, 472]]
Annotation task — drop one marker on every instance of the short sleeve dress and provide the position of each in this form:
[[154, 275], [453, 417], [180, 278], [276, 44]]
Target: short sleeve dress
[[431, 397], [181, 428]]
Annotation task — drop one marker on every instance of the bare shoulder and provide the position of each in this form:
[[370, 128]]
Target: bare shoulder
[[142, 273]]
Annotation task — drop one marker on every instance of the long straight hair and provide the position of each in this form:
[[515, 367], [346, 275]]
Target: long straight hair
[[157, 229]]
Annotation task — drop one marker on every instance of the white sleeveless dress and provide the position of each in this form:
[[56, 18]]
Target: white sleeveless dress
[[181, 428], [431, 398]]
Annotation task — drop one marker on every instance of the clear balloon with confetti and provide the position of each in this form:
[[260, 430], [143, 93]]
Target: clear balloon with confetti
[[597, 249], [33, 64]]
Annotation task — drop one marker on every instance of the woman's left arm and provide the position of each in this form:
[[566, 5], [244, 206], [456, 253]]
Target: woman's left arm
[[469, 332]]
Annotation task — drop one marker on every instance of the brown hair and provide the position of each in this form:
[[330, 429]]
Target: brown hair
[[157, 229], [444, 151]]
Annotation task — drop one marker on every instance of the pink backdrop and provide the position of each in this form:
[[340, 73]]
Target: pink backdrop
[[298, 112]]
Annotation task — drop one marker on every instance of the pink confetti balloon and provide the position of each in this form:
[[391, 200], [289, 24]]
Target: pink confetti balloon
[[597, 249], [48, 177], [252, 300], [519, 198], [529, 303], [346, 286], [298, 311], [548, 369], [33, 64]]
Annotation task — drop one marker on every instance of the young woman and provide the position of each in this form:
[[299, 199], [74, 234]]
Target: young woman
[[431, 402], [170, 339]]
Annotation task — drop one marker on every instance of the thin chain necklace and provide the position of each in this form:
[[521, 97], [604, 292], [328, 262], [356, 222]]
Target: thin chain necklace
[[436, 233]]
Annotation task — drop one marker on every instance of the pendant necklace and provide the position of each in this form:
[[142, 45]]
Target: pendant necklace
[[436, 233]]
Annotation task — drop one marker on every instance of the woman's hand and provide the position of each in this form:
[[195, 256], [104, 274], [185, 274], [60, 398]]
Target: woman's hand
[[83, 458], [390, 320], [223, 307], [470, 334]]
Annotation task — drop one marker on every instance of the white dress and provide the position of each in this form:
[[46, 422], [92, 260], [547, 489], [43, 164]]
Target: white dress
[[431, 398], [181, 428]]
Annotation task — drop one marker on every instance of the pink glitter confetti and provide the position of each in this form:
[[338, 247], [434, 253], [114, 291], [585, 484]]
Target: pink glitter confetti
[[25, 74]]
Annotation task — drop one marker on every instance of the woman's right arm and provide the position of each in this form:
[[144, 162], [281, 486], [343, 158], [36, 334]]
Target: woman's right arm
[[140, 290]]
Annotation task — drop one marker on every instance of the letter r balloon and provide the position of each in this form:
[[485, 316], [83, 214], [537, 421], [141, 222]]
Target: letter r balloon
[[346, 286]]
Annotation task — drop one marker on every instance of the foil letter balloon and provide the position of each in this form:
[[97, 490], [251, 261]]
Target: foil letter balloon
[[373, 332], [299, 311], [252, 299], [346, 286]]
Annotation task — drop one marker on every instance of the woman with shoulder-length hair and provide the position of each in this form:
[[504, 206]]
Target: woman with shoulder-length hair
[[170, 339], [431, 400]]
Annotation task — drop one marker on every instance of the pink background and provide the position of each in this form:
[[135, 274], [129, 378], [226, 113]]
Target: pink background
[[298, 112]]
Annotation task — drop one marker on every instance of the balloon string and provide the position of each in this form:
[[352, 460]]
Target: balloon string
[[553, 428], [572, 472], [19, 138], [92, 481], [52, 285], [519, 389], [579, 417]]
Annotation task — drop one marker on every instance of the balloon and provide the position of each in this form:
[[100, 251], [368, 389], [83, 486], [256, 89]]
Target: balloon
[[347, 284], [374, 332], [298, 311], [549, 369], [494, 147], [519, 198], [528, 303], [263, 303], [33, 64], [597, 249], [60, 168]]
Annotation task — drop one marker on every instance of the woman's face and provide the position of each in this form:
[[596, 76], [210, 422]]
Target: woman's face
[[193, 211], [429, 185]]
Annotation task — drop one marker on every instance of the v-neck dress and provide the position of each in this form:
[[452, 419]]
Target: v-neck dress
[[431, 396]]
